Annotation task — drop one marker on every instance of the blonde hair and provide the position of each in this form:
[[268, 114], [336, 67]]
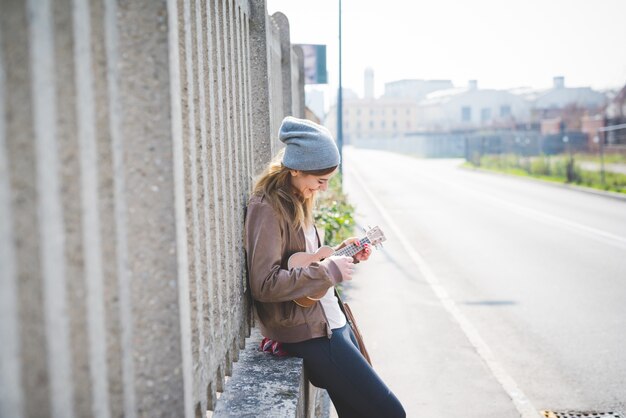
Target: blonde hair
[[275, 185]]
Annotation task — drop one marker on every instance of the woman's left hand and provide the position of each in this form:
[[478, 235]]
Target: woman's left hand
[[362, 255]]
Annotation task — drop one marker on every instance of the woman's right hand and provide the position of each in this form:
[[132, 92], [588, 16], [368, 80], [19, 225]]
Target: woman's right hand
[[345, 264]]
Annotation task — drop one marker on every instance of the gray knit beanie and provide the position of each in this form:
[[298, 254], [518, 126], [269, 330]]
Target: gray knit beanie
[[308, 146]]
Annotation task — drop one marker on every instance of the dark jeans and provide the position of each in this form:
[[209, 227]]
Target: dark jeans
[[336, 365]]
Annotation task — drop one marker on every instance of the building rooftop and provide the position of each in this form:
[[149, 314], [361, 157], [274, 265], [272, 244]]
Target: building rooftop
[[443, 96]]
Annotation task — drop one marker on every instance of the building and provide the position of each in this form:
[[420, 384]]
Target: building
[[591, 126], [470, 108], [385, 117], [567, 109], [368, 83], [560, 97], [615, 114], [414, 88], [314, 102], [616, 109], [311, 115]]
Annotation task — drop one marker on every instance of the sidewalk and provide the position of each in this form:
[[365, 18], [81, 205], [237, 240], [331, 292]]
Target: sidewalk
[[416, 346]]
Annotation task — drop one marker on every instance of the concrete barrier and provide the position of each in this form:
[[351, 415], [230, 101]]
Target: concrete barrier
[[130, 134]]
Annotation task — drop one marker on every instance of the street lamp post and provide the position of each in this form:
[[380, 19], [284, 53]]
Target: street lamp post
[[570, 163], [340, 106], [600, 141]]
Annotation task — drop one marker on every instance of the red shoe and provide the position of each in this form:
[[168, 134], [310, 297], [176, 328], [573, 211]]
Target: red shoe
[[272, 347]]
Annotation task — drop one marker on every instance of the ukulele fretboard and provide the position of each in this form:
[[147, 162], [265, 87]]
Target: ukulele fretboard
[[352, 249]]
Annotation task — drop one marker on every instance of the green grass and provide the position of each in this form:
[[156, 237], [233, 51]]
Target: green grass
[[557, 169]]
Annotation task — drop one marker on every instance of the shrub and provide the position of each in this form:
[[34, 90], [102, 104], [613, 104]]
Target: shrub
[[333, 214], [568, 170], [540, 166]]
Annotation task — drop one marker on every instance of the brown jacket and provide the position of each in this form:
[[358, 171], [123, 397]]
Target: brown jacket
[[269, 244]]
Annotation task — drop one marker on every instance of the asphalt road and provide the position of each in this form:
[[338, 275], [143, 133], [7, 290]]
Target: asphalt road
[[537, 271]]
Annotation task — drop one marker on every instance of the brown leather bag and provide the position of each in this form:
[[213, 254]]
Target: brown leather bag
[[355, 329]]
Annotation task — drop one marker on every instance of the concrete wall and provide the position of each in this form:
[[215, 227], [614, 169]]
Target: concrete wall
[[130, 133]]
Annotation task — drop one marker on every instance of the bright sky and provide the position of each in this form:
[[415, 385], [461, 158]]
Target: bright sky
[[500, 43]]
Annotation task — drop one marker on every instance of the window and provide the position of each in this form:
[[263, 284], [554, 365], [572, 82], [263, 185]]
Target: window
[[466, 114], [371, 124], [485, 114], [505, 111], [382, 124]]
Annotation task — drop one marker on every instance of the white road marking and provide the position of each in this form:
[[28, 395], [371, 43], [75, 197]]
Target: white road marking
[[606, 237], [521, 402]]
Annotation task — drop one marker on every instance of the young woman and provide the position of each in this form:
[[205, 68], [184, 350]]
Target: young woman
[[279, 223]]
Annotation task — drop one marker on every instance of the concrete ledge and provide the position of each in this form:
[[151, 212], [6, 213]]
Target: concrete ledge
[[263, 385]]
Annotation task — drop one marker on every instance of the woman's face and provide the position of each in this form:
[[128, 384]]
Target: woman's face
[[309, 184]]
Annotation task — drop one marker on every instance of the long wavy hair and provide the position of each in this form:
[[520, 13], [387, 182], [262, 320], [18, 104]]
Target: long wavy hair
[[275, 184]]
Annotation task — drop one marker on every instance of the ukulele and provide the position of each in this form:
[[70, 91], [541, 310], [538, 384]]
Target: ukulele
[[374, 236]]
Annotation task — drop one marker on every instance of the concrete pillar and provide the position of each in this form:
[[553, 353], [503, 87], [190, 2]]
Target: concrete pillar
[[31, 192], [144, 163], [240, 195], [223, 178], [259, 82], [297, 71], [282, 23], [216, 204], [105, 189], [274, 57], [193, 133], [246, 35], [234, 196], [244, 173], [17, 216]]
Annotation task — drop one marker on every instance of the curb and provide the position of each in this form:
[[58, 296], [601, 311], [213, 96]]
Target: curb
[[589, 190]]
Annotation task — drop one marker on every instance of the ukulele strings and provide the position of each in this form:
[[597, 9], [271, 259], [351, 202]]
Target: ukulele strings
[[352, 249]]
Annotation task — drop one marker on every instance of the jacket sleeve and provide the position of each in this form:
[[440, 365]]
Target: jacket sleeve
[[268, 281]]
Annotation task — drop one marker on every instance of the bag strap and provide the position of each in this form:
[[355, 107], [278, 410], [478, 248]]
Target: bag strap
[[345, 308], [341, 304]]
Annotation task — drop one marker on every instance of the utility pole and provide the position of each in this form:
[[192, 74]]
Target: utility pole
[[340, 106]]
